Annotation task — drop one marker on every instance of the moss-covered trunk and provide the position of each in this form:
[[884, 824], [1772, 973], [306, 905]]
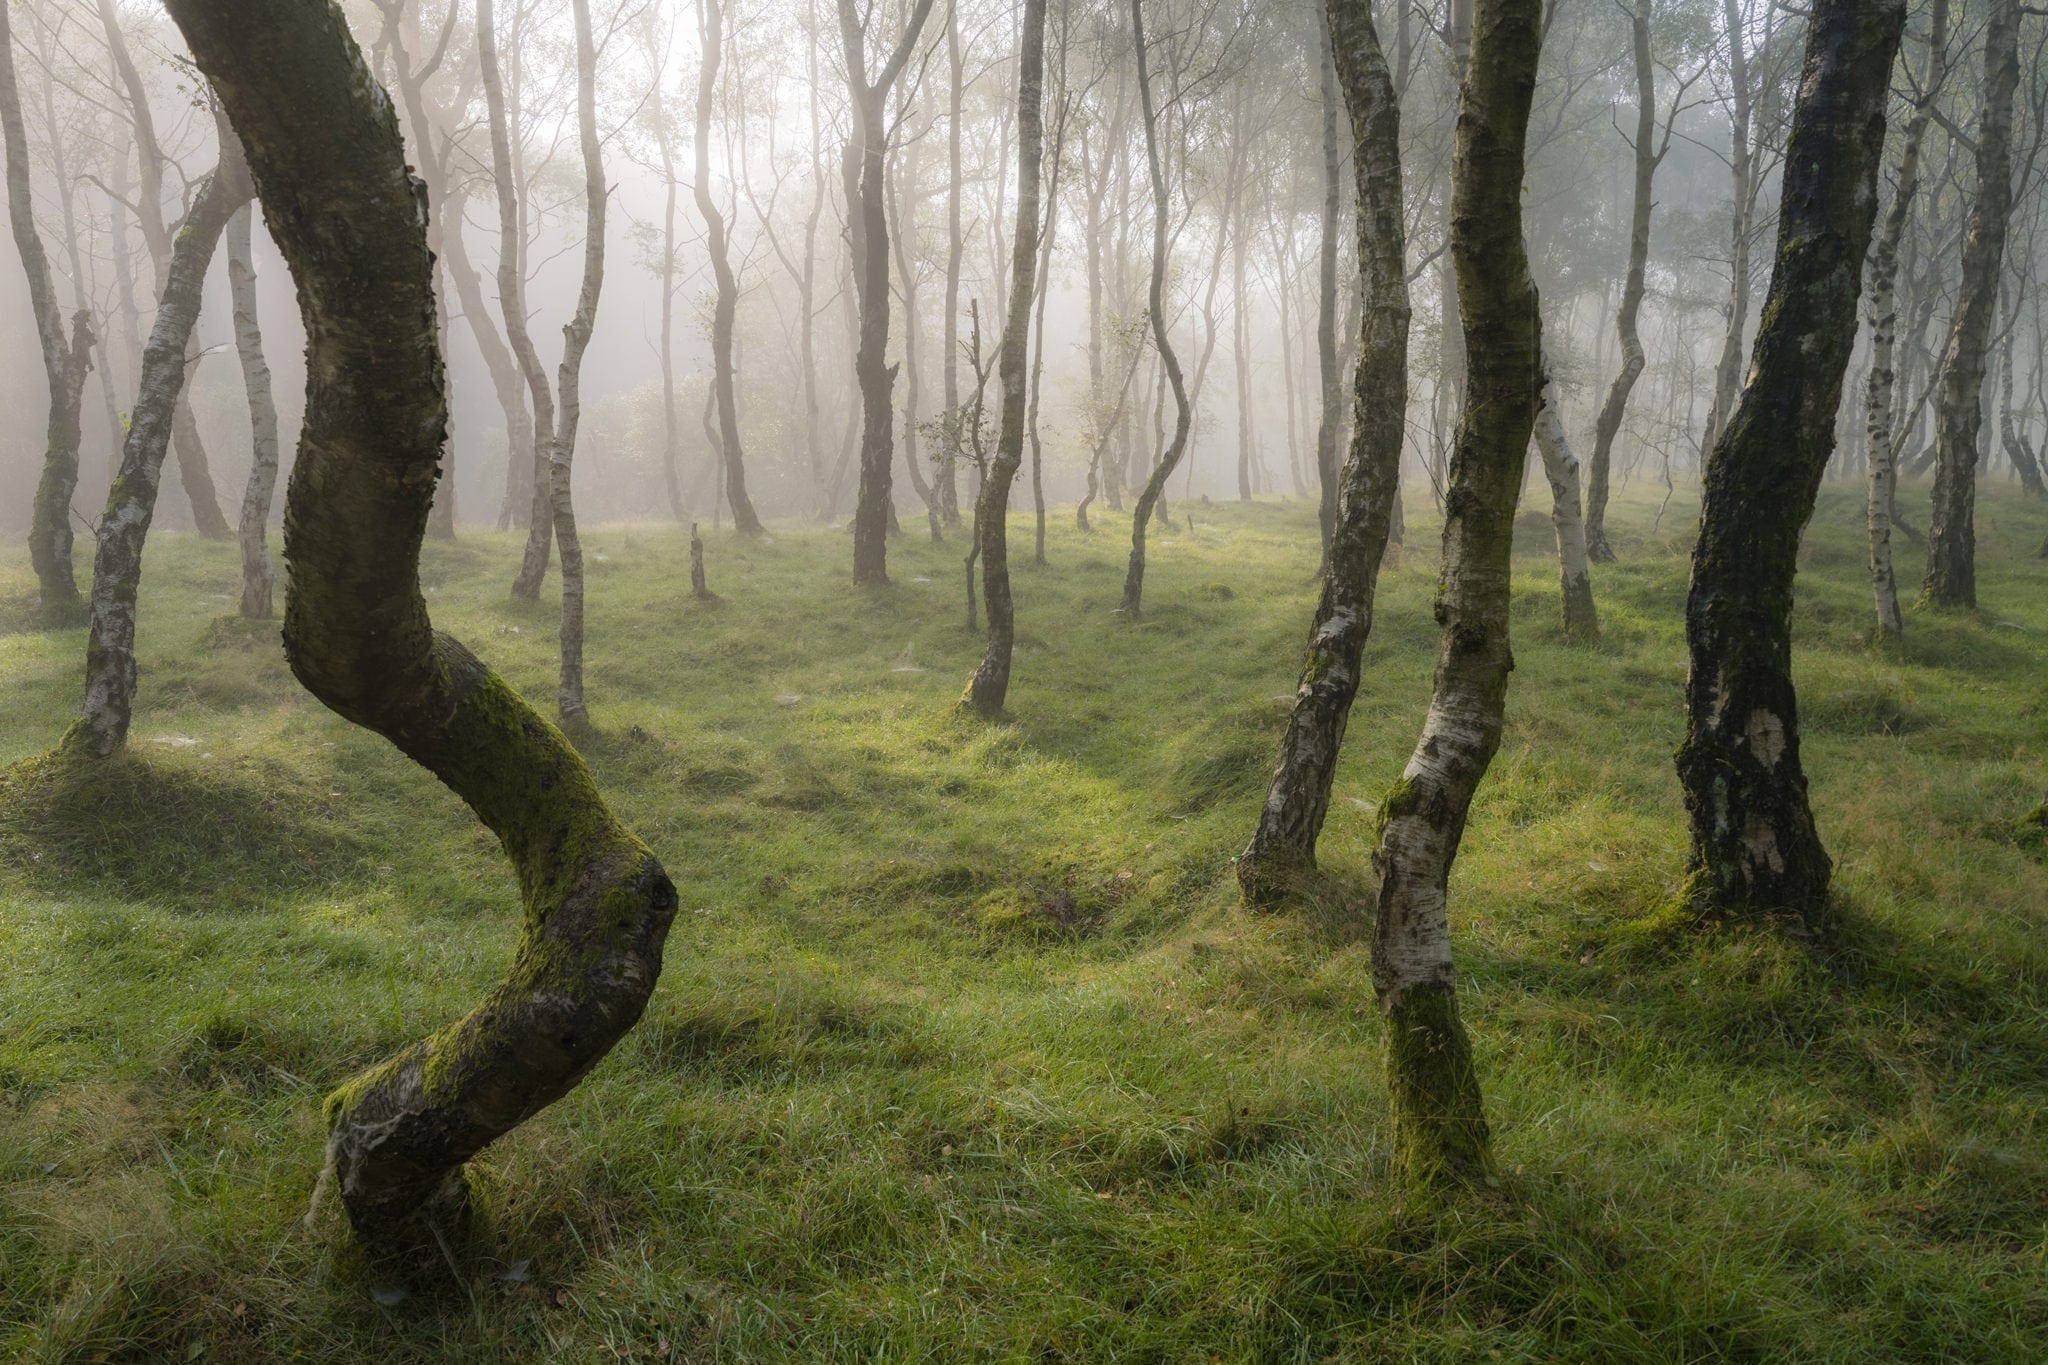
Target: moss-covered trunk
[[1959, 415], [1440, 1132], [328, 162], [131, 500], [990, 685], [65, 363], [259, 492], [1155, 486], [1283, 846], [1754, 847]]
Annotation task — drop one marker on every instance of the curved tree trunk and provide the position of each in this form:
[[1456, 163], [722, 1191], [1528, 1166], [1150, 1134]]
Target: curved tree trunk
[[726, 303], [540, 528], [990, 685], [325, 149], [1440, 1132], [1608, 425], [1754, 846], [65, 363], [257, 496], [131, 501], [1283, 847], [1332, 409], [1959, 416], [1884, 325], [1561, 468], [1149, 496], [506, 380]]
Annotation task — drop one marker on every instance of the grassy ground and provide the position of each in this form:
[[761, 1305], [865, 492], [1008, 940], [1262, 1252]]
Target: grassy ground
[[964, 1049]]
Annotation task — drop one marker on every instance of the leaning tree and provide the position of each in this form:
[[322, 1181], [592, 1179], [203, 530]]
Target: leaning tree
[[323, 147]]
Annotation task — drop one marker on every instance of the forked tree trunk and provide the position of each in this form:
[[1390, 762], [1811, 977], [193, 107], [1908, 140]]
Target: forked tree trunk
[[1608, 425], [726, 302], [569, 378], [65, 363], [1283, 847], [868, 228], [258, 494], [990, 685], [131, 501], [325, 148], [1959, 416], [1754, 846], [1155, 486], [1440, 1132], [1561, 468], [1883, 310]]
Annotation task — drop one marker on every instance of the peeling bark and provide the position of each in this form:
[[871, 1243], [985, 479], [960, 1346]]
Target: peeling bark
[[324, 147], [1951, 579], [131, 501], [989, 687], [258, 494], [1754, 846], [65, 364], [1440, 1131], [1283, 846]]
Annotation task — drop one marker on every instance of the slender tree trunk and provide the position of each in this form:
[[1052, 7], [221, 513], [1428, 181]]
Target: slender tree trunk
[[258, 495], [1561, 467], [533, 564], [671, 434], [726, 303], [506, 380], [1155, 486], [1043, 291], [1332, 410], [65, 364], [1742, 220], [325, 146], [1754, 846], [1951, 580], [131, 501], [1608, 425], [1283, 846], [989, 687], [903, 225], [569, 379], [1883, 311], [948, 474], [1440, 1132]]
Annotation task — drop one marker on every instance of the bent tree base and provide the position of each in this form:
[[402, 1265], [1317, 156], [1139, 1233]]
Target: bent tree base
[[1440, 1132]]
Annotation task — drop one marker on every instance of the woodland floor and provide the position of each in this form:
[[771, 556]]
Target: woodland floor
[[965, 1050]]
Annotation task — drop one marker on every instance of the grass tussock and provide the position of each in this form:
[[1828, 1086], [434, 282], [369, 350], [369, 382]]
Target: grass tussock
[[965, 1050]]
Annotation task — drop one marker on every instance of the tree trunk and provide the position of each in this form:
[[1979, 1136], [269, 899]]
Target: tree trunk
[[1283, 847], [1561, 467], [1754, 846], [868, 227], [1332, 410], [257, 496], [1883, 310], [1742, 220], [65, 364], [1440, 1132], [1951, 580], [1608, 425], [948, 473], [1155, 486], [325, 147], [726, 303], [506, 380], [902, 227], [990, 685], [131, 501]]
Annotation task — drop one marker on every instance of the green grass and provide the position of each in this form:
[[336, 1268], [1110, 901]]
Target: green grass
[[964, 1049]]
